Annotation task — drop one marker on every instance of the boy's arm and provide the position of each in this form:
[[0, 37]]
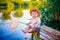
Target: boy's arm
[[37, 23], [28, 23]]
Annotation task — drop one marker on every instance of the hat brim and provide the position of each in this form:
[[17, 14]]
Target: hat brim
[[35, 10]]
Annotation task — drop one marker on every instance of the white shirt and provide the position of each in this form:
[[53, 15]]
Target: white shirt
[[33, 21]]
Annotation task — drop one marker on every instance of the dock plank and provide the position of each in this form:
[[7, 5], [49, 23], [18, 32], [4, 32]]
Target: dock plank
[[49, 33]]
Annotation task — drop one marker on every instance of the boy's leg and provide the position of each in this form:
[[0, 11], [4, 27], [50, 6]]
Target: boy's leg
[[38, 34], [30, 31], [27, 29]]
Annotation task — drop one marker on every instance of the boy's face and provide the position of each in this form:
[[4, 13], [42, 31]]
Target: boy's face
[[34, 14]]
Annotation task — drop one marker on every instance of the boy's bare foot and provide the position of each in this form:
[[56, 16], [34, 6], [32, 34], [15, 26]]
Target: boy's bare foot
[[24, 31]]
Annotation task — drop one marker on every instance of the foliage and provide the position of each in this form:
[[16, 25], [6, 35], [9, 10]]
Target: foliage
[[50, 9], [5, 16], [51, 13]]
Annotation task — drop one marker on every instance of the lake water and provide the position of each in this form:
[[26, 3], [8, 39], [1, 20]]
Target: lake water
[[7, 34]]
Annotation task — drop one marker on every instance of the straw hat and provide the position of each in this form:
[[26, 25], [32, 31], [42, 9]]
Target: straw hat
[[34, 9]]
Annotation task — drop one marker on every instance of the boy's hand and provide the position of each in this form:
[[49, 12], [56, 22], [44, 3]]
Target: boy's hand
[[27, 24]]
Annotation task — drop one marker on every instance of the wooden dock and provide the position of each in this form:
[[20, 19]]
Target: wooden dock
[[47, 33]]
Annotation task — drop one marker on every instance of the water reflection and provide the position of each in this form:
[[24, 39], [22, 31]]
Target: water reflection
[[7, 34]]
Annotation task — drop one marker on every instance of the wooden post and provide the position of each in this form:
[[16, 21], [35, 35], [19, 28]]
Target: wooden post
[[32, 36]]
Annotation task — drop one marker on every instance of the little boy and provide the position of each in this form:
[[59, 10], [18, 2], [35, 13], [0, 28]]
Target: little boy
[[34, 24]]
